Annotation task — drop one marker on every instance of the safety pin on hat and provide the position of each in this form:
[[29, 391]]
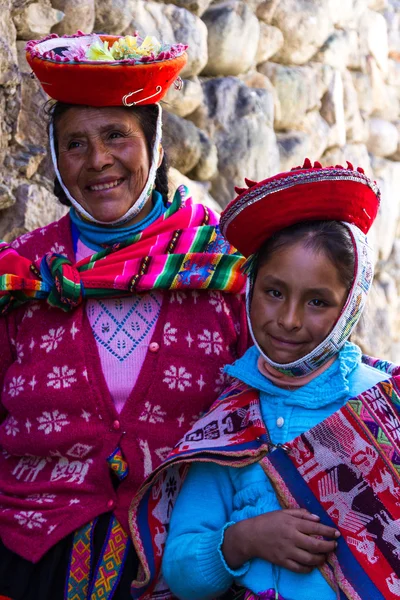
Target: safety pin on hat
[[178, 83], [125, 98]]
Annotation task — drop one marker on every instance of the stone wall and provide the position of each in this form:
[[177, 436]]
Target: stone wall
[[267, 84]]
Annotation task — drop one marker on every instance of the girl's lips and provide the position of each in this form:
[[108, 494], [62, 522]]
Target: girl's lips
[[285, 342]]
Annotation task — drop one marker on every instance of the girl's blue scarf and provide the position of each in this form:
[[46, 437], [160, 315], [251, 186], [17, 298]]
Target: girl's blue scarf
[[97, 237]]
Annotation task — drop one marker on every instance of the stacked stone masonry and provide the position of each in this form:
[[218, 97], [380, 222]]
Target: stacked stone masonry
[[268, 82]]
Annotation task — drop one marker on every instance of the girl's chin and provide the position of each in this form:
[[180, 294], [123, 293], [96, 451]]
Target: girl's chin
[[282, 358]]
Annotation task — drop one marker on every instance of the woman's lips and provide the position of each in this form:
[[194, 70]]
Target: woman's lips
[[107, 185]]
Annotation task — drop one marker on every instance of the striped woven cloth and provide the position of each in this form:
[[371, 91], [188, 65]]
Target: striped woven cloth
[[183, 249]]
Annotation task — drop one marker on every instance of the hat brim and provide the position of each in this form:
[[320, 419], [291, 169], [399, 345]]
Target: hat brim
[[248, 224], [106, 84]]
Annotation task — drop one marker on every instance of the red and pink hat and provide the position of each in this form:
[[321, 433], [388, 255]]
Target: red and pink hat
[[105, 70], [307, 193]]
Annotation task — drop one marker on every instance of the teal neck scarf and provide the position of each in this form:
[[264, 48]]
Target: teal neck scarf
[[97, 237]]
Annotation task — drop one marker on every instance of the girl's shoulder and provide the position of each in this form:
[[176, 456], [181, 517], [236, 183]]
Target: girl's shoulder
[[364, 377]]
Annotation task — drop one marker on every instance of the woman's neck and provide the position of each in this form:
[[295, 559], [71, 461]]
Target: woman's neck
[[97, 237]]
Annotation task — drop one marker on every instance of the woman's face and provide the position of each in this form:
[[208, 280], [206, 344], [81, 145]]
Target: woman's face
[[297, 298], [103, 160]]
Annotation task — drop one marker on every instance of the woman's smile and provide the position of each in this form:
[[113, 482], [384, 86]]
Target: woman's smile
[[106, 184]]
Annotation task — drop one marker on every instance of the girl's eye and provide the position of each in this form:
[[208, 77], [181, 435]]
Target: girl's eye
[[274, 293], [318, 303]]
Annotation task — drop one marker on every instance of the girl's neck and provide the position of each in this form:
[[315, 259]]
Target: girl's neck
[[289, 382]]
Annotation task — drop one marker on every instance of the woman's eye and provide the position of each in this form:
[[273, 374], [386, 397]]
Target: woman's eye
[[73, 145]]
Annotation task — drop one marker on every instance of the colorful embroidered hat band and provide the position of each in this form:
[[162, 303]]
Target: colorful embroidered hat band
[[305, 194], [100, 70]]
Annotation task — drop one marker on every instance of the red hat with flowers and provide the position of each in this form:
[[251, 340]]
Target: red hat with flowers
[[104, 70], [307, 193]]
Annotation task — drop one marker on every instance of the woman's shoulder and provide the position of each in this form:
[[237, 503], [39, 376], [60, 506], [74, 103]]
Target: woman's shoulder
[[55, 237]]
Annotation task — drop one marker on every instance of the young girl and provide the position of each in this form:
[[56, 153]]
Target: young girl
[[310, 269]]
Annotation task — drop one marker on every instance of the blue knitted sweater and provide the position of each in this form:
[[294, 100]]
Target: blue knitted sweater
[[214, 496]]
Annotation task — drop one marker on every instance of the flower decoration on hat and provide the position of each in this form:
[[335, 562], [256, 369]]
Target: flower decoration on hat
[[104, 70]]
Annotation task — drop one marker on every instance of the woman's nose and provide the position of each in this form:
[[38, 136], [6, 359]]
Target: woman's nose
[[99, 156]]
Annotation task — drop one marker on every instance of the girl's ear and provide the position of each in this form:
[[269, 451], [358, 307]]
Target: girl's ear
[[161, 156]]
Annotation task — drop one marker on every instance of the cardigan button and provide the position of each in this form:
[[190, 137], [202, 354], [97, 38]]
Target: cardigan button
[[280, 421], [110, 504], [116, 425], [154, 347]]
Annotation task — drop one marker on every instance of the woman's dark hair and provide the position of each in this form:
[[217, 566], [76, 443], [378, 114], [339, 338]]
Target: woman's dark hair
[[330, 237], [147, 117]]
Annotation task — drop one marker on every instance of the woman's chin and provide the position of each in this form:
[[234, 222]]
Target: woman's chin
[[110, 212], [106, 214]]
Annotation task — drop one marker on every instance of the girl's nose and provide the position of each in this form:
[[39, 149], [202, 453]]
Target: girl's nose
[[290, 317]]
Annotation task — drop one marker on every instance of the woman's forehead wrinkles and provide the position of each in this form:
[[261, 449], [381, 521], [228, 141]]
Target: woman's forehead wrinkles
[[102, 129]]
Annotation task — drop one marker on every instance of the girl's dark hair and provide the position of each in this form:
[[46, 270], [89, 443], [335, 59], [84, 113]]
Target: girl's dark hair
[[330, 237], [147, 117]]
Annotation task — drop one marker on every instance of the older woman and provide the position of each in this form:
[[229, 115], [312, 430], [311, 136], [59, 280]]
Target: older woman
[[116, 322]]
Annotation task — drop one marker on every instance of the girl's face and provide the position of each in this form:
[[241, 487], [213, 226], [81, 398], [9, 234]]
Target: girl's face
[[297, 298]]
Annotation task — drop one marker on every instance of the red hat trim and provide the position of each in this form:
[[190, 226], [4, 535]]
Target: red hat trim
[[102, 83], [307, 194]]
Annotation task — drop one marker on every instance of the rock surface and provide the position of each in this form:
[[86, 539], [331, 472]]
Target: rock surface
[[383, 137], [270, 42], [112, 16], [239, 121], [233, 37], [185, 101], [78, 14], [332, 110], [305, 26], [181, 141], [200, 191], [36, 19], [297, 89], [172, 24], [197, 7]]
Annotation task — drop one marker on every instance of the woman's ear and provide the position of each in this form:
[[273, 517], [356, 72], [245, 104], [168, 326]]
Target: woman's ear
[[161, 156]]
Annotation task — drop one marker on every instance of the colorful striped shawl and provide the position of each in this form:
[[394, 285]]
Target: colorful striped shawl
[[346, 469], [183, 249]]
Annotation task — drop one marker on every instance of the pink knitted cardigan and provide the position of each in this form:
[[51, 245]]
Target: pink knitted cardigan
[[59, 423]]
